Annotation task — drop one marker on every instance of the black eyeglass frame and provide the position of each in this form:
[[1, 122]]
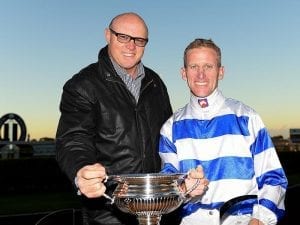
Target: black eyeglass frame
[[129, 38]]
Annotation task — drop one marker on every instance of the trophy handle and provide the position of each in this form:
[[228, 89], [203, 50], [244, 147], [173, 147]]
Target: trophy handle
[[195, 185], [185, 194], [118, 179], [111, 199]]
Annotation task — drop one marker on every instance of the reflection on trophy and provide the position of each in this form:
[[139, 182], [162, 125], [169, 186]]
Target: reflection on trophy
[[148, 196]]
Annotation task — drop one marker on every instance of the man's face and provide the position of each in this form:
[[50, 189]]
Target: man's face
[[127, 55], [202, 72]]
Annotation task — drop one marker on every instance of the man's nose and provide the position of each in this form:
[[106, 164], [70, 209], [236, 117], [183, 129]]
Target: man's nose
[[131, 44]]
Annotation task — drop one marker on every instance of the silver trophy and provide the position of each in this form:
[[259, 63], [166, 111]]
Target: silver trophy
[[148, 196]]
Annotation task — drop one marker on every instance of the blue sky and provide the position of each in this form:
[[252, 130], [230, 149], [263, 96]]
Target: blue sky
[[44, 42]]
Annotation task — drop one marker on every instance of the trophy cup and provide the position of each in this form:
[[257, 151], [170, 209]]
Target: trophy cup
[[148, 196]]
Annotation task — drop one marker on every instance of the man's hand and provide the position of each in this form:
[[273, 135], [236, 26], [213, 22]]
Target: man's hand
[[254, 221], [193, 176], [90, 180]]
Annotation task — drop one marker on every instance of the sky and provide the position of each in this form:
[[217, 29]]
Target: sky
[[43, 43]]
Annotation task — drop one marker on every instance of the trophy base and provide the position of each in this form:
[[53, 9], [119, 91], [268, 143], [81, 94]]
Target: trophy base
[[147, 219]]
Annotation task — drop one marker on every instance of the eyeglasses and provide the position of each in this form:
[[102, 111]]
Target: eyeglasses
[[124, 38]]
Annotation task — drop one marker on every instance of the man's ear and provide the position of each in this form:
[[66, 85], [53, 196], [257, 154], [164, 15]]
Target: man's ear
[[221, 73], [183, 73], [107, 34]]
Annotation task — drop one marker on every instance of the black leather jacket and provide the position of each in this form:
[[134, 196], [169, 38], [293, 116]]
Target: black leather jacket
[[101, 122]]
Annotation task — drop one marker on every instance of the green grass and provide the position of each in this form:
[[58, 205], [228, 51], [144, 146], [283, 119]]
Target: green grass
[[293, 179], [38, 202]]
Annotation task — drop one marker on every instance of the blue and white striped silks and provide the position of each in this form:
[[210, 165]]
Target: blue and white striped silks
[[235, 149]]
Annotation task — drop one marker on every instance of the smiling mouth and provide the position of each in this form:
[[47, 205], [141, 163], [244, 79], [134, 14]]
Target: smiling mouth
[[129, 54], [200, 83]]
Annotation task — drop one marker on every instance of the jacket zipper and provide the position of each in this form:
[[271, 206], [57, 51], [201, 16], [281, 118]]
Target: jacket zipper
[[142, 151]]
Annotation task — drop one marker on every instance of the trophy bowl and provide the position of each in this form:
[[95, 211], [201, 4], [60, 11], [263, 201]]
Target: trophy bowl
[[148, 196]]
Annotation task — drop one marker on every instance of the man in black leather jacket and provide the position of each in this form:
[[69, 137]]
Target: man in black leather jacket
[[111, 114]]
